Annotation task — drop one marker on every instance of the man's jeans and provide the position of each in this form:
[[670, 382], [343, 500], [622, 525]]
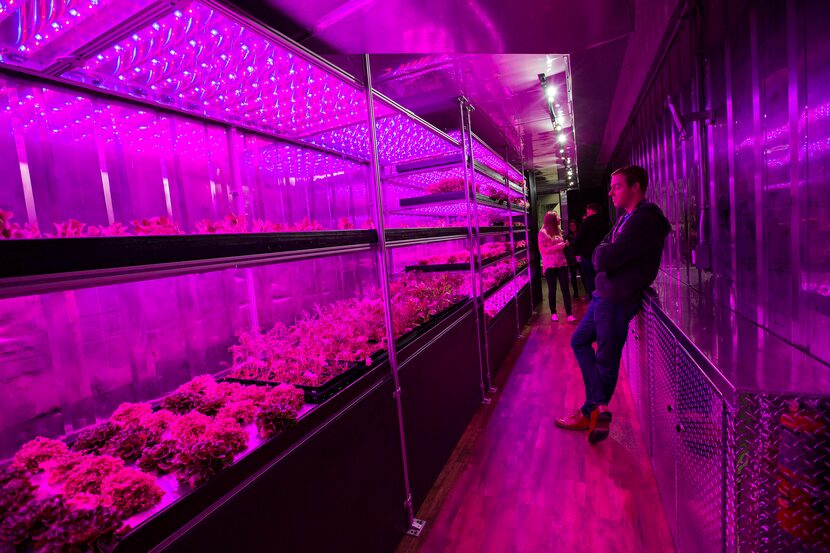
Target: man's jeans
[[606, 324], [588, 275]]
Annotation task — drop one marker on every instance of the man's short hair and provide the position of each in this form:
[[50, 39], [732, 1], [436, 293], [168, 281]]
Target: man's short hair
[[596, 208], [634, 174]]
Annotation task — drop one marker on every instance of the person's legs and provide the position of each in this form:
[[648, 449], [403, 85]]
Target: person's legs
[[582, 343], [550, 276], [562, 274], [573, 270], [611, 323], [588, 275]]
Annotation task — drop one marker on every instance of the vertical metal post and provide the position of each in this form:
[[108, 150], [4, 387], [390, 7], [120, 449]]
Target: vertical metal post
[[383, 275], [473, 236], [467, 134], [506, 178]]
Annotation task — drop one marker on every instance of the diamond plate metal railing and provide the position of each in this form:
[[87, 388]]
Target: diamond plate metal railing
[[700, 458], [782, 483], [662, 357]]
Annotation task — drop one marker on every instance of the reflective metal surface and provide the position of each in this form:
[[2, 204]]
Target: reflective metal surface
[[746, 357], [511, 113], [749, 189], [438, 26], [751, 473]]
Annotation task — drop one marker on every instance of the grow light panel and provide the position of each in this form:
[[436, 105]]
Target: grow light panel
[[198, 60], [454, 208], [484, 155], [497, 302], [421, 179], [400, 138], [291, 161], [36, 33]]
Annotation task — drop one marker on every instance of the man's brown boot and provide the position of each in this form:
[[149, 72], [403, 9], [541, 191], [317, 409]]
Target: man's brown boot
[[600, 424], [574, 421]]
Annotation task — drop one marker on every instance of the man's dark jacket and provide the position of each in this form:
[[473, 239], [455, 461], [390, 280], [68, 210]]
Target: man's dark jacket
[[590, 234], [628, 265]]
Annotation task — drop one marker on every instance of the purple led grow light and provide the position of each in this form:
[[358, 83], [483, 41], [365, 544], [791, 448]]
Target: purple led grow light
[[457, 208], [422, 179], [39, 32], [197, 60], [485, 156], [399, 138]]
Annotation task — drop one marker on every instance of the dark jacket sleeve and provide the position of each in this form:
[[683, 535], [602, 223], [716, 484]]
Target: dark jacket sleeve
[[636, 237], [581, 233]]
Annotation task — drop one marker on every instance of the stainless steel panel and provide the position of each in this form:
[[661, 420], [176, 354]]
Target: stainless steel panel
[[700, 460], [782, 483], [663, 421], [767, 81]]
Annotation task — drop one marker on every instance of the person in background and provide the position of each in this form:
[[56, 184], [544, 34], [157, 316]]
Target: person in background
[[593, 230], [554, 264], [627, 261], [570, 255]]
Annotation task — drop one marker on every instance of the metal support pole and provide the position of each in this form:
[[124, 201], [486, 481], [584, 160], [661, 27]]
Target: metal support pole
[[512, 242], [383, 270], [473, 236], [467, 135]]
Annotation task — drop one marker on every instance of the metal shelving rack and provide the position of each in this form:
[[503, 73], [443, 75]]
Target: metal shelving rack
[[65, 264]]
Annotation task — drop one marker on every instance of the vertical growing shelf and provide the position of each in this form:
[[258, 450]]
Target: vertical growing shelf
[[192, 304]]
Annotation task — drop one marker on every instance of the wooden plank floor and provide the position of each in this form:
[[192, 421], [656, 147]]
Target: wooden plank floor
[[516, 483]]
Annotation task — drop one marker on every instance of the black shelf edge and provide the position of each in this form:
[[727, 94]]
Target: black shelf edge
[[438, 163], [437, 268], [499, 230], [446, 267], [494, 260], [444, 197], [495, 289], [427, 199], [125, 257]]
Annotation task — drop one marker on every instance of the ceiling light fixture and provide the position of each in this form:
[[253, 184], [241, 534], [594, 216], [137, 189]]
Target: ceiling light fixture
[[549, 92]]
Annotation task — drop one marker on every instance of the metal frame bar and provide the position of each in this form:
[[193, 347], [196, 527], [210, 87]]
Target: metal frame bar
[[469, 164], [106, 94], [383, 276], [474, 242]]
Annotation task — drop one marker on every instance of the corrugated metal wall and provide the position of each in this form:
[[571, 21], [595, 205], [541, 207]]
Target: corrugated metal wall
[[753, 182]]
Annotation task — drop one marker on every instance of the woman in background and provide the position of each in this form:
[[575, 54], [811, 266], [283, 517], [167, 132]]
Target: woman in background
[[554, 264]]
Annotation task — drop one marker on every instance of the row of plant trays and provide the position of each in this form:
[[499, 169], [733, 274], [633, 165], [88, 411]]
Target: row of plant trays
[[448, 267], [318, 394], [506, 280], [444, 197]]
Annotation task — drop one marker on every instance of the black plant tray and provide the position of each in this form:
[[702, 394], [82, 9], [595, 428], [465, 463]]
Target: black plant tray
[[438, 267], [410, 336], [319, 394]]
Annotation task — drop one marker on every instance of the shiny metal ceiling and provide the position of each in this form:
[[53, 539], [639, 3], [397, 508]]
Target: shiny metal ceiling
[[425, 54], [511, 112]]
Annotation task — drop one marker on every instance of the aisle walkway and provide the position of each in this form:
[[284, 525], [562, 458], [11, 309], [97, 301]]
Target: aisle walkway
[[517, 484]]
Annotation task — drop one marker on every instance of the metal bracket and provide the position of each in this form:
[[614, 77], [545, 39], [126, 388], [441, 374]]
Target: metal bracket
[[416, 527]]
